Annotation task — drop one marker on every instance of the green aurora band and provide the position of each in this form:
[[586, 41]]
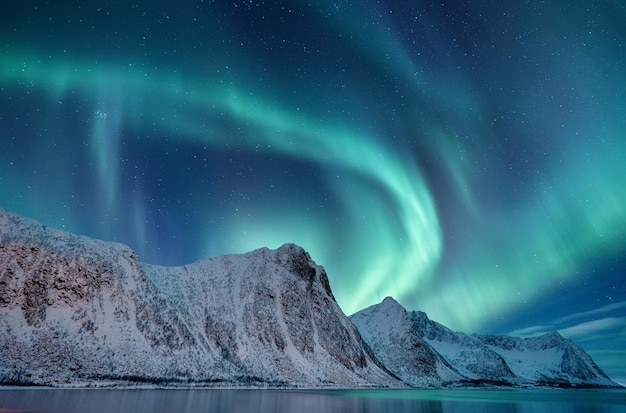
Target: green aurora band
[[465, 158], [397, 236], [401, 237]]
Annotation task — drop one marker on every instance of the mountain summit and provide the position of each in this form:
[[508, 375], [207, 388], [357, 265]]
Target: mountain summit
[[394, 338]]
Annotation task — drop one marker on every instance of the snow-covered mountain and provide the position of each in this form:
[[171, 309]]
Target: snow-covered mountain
[[549, 358], [469, 356], [395, 339], [400, 339], [78, 311]]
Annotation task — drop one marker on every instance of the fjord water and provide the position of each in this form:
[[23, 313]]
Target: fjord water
[[319, 401]]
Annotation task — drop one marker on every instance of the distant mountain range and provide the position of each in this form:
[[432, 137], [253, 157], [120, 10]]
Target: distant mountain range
[[75, 311], [424, 353]]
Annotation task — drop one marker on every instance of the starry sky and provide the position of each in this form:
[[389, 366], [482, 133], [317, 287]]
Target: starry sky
[[464, 157]]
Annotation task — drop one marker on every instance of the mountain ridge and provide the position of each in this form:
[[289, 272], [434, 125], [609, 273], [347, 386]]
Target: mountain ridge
[[77, 312], [546, 360]]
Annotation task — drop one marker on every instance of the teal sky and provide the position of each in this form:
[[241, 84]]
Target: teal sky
[[464, 158]]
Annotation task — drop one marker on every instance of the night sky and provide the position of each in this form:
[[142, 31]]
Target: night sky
[[467, 158]]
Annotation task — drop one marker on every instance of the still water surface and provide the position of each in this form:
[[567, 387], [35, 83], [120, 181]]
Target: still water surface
[[320, 401]]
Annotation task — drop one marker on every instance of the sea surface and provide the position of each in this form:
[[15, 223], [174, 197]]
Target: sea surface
[[312, 401]]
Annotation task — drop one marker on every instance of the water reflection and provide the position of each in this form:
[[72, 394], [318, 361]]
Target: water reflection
[[266, 401]]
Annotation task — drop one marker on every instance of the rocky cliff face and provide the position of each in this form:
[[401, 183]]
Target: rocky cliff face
[[77, 311], [545, 360], [271, 313]]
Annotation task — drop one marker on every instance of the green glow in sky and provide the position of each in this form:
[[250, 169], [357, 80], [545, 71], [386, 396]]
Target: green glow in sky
[[466, 158], [395, 233]]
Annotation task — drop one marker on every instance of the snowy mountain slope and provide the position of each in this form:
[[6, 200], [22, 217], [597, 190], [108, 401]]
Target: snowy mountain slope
[[393, 337], [272, 314], [549, 358], [78, 311], [471, 357], [545, 360]]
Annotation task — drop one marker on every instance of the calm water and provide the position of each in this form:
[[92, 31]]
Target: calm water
[[266, 401]]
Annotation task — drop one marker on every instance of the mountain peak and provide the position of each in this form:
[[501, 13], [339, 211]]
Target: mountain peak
[[391, 333], [389, 304], [555, 335], [297, 260], [389, 300], [291, 248]]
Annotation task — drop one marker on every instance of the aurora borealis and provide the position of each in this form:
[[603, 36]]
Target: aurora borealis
[[466, 158]]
